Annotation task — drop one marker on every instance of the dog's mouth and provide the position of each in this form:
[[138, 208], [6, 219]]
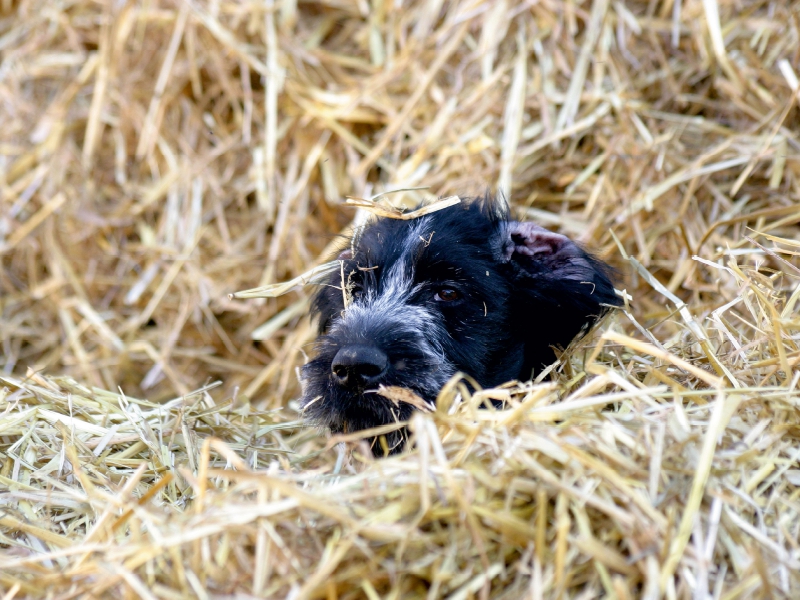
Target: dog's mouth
[[348, 411]]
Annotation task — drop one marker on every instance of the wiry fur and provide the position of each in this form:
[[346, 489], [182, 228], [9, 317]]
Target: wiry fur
[[522, 290]]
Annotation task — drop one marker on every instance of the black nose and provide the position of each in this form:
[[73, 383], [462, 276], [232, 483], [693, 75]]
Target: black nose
[[358, 366]]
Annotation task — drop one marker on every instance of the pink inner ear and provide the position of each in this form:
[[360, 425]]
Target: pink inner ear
[[531, 240], [560, 256]]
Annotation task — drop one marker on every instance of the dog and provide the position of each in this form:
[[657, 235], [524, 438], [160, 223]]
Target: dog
[[463, 289]]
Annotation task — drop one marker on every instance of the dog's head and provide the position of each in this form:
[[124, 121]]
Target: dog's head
[[461, 289]]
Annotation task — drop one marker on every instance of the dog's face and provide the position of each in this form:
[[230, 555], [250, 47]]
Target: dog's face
[[462, 289]]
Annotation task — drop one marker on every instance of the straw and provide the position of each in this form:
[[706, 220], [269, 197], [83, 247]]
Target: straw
[[155, 157]]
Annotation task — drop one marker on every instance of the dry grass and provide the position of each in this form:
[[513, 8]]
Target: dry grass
[[157, 156]]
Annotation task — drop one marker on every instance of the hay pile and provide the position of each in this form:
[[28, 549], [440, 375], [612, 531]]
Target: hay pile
[[156, 156]]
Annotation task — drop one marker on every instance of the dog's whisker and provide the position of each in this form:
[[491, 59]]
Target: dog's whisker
[[309, 404]]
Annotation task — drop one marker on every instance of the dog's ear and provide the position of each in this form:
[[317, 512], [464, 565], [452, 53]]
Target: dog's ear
[[560, 289], [547, 254]]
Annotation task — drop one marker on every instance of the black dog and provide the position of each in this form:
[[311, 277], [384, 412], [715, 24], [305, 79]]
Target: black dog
[[461, 289]]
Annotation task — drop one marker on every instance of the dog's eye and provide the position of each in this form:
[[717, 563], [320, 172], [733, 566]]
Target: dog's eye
[[447, 295]]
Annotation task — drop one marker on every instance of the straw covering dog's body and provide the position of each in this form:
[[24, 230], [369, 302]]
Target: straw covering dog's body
[[461, 289]]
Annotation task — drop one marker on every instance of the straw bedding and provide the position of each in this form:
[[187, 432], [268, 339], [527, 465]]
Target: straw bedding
[[157, 156]]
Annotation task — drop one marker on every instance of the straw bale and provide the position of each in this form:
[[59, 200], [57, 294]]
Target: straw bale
[[156, 157]]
